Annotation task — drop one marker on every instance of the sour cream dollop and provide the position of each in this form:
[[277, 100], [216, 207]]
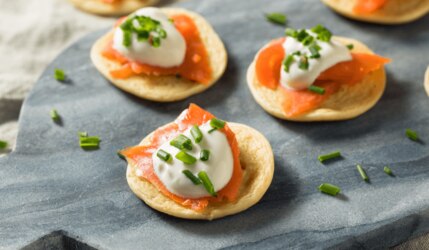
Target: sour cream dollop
[[331, 53], [170, 53], [219, 167]]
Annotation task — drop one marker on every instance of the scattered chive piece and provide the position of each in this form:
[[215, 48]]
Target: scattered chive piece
[[127, 38], [186, 158], [362, 173], [196, 133], [216, 123], [120, 155], [60, 75], [54, 115], [329, 156], [411, 134], [330, 189], [89, 142], [314, 51], [388, 171], [302, 34], [291, 32], [204, 155], [317, 89], [181, 142], [350, 46], [163, 155], [212, 130], [323, 34], [303, 63], [287, 62], [207, 183], [192, 177], [277, 18], [3, 144], [146, 29], [308, 40]]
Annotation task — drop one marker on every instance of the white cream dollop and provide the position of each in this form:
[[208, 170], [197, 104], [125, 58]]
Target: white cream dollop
[[219, 167], [170, 53], [331, 53]]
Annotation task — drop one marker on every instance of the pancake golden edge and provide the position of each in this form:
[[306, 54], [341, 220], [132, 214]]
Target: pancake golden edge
[[393, 12], [117, 9], [166, 88], [347, 103], [257, 162], [426, 82]]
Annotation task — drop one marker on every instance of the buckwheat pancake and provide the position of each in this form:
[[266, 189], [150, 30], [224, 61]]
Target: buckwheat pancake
[[166, 88], [123, 7], [393, 12], [347, 103], [257, 161]]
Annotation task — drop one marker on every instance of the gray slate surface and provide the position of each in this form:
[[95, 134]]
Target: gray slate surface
[[49, 184]]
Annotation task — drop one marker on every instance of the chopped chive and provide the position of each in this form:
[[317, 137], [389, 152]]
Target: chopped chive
[[207, 183], [323, 34], [163, 155], [120, 155], [314, 51], [362, 173], [186, 158], [127, 38], [330, 189], [59, 75], [277, 18], [291, 32], [143, 36], [54, 115], [204, 155], [155, 42], [3, 144], [303, 63], [308, 40], [212, 130], [388, 171], [317, 89], [350, 46], [329, 156], [296, 53], [89, 142], [287, 62], [192, 177], [302, 34], [196, 133], [216, 123], [411, 134], [181, 142]]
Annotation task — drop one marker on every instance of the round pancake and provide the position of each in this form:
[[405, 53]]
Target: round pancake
[[166, 88], [426, 82], [124, 7], [393, 12], [257, 162], [347, 103]]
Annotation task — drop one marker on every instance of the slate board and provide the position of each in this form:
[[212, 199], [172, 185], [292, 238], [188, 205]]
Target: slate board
[[48, 184]]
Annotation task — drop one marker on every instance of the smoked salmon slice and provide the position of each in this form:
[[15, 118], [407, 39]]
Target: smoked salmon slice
[[141, 157], [368, 6], [195, 67], [297, 102]]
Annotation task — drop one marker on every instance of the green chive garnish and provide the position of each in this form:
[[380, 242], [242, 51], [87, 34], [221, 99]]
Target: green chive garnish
[[303, 63], [127, 40], [329, 156], [3, 144], [89, 142], [181, 142], [186, 158], [314, 51], [388, 171], [411, 134], [291, 32], [204, 155], [207, 183], [54, 115], [302, 34], [287, 62], [362, 173], [308, 40], [317, 89], [216, 123], [192, 177], [163, 155], [277, 18], [120, 155], [350, 46], [196, 134], [212, 130], [323, 34], [330, 189], [148, 29], [60, 75]]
